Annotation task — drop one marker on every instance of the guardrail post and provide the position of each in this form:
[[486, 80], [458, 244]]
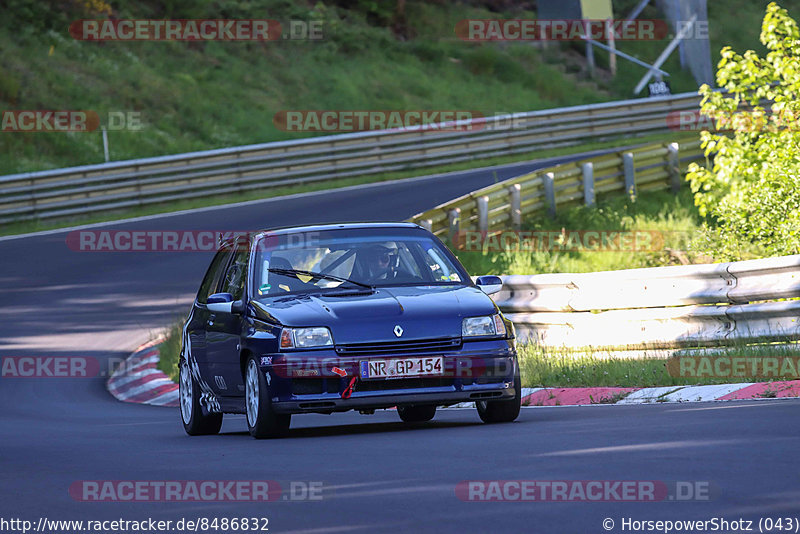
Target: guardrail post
[[588, 183], [483, 214], [550, 192], [674, 164], [34, 201], [105, 145], [427, 224], [630, 175], [453, 221], [136, 169], [515, 202]]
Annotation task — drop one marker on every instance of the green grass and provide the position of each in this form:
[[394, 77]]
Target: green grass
[[673, 216], [560, 368]]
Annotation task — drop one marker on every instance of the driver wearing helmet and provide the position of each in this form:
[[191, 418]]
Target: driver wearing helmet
[[379, 262]]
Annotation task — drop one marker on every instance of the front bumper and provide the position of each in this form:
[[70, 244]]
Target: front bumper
[[303, 382], [371, 401]]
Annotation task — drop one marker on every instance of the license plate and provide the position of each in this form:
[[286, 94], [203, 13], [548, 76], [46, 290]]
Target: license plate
[[396, 368]]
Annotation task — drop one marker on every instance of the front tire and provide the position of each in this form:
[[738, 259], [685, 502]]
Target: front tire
[[195, 423], [504, 411], [416, 414], [262, 421]]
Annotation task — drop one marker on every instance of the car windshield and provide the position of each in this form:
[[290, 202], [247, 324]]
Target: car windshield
[[355, 260]]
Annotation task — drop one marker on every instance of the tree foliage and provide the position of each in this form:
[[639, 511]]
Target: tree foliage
[[751, 195]]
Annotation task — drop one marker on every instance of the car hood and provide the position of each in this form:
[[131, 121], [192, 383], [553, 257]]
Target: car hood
[[421, 311]]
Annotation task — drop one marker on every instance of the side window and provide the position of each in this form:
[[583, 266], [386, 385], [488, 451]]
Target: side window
[[236, 275], [213, 274]]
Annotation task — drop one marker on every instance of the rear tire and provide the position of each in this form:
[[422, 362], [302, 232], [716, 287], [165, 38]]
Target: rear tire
[[195, 423], [416, 414], [503, 411], [262, 421]]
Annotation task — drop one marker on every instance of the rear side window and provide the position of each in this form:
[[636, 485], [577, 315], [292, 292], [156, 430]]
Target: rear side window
[[212, 275]]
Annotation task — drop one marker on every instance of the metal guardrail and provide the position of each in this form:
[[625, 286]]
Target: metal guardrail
[[658, 308], [125, 184], [503, 205]]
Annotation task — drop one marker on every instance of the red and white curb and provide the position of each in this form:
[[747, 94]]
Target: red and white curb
[[139, 381], [611, 395]]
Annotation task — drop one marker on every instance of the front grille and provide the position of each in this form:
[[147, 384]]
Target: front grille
[[401, 347], [404, 383]]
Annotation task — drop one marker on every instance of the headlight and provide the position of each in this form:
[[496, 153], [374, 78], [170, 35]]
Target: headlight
[[489, 325], [303, 338]]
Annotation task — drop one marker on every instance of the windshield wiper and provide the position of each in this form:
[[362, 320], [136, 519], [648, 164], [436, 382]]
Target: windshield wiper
[[322, 275]]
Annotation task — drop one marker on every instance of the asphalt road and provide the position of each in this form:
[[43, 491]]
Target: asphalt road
[[376, 474]]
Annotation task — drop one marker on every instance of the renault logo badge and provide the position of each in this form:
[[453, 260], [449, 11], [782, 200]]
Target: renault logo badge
[[398, 330]]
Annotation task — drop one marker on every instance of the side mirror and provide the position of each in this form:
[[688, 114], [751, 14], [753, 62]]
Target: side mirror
[[237, 307], [489, 284], [223, 302]]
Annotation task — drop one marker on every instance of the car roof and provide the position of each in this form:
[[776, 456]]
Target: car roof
[[338, 226]]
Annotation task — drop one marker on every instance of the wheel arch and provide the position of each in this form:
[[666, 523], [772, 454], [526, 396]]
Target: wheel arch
[[244, 355]]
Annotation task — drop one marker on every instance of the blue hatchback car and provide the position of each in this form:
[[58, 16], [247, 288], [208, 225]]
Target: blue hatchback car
[[323, 319]]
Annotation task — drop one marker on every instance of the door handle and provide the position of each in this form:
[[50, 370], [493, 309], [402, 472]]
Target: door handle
[[210, 321]]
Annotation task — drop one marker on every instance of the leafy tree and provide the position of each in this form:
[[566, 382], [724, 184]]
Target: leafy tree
[[751, 195]]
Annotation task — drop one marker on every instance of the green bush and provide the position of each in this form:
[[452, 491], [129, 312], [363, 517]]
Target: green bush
[[751, 196]]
